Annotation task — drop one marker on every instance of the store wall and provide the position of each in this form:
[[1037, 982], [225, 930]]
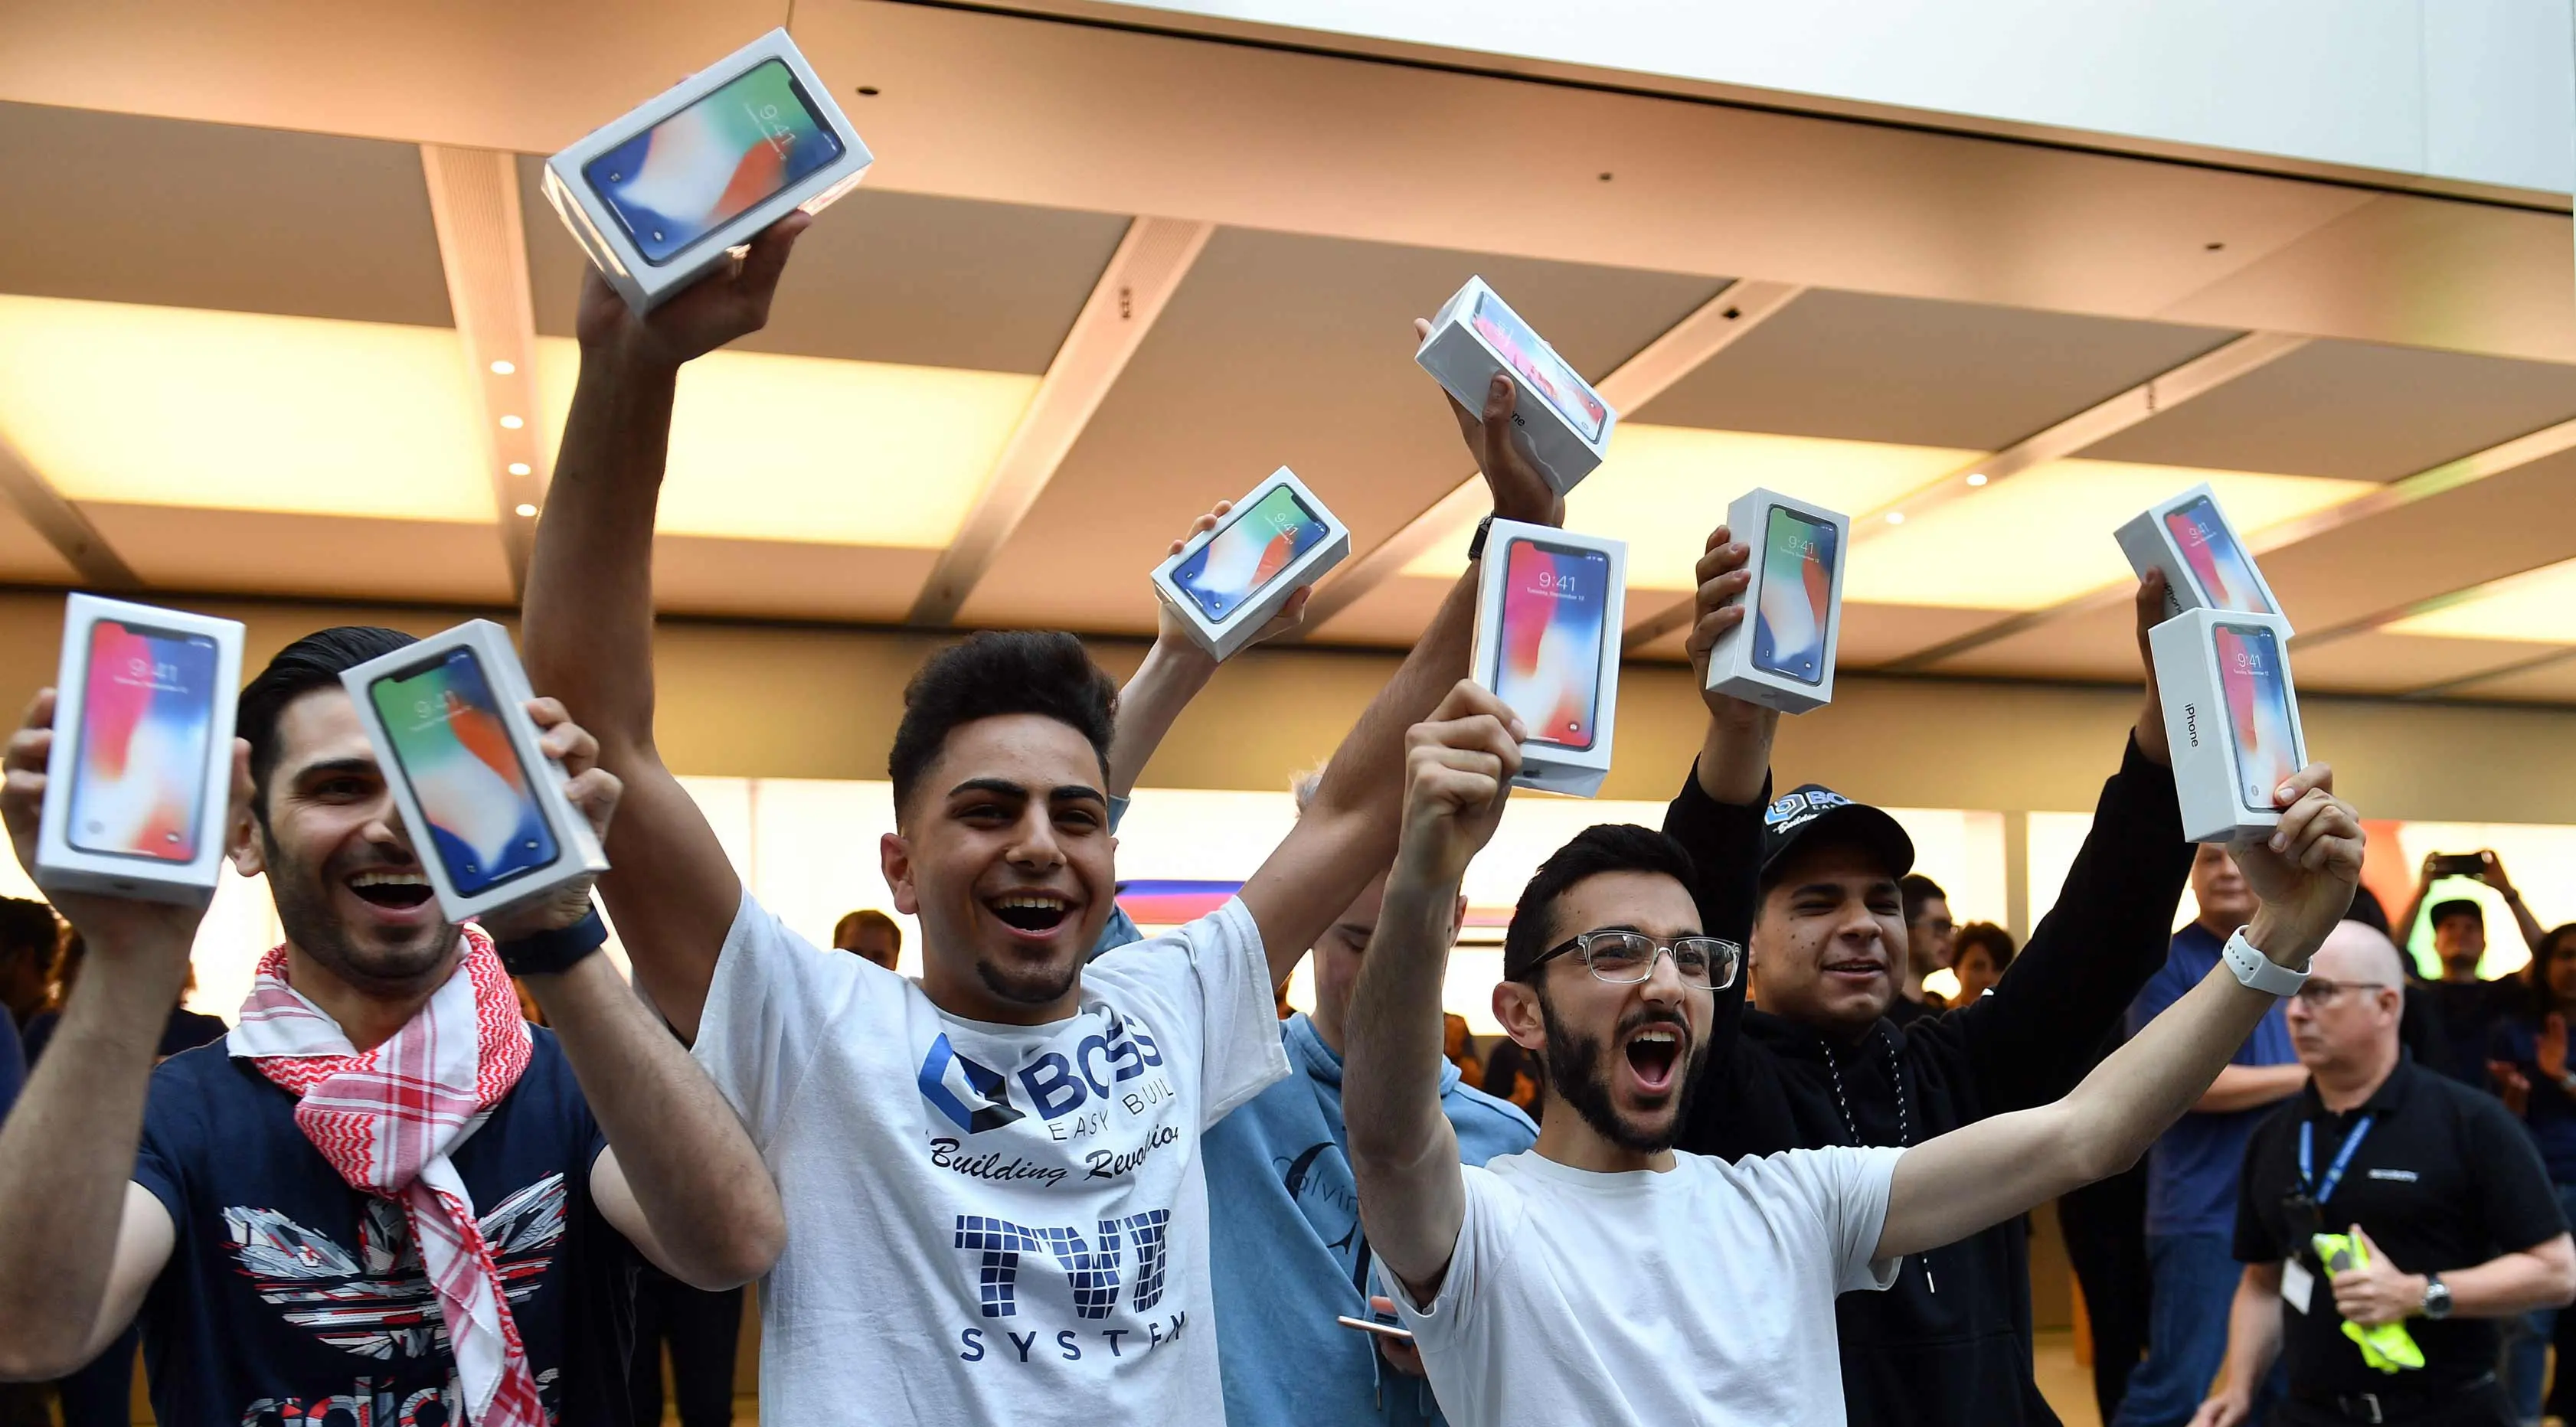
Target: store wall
[[789, 702]]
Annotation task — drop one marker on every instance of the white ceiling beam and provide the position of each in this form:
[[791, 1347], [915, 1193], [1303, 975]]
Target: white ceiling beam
[[1142, 275], [61, 524], [2397, 494], [1710, 329], [482, 244]]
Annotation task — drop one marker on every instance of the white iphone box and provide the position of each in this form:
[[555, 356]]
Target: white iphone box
[[138, 787], [1781, 655], [2205, 565], [1229, 582], [2231, 717], [660, 195], [485, 808], [1563, 425], [1549, 607]]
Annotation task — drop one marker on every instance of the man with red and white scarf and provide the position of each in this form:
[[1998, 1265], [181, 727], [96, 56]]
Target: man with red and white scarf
[[384, 1198]]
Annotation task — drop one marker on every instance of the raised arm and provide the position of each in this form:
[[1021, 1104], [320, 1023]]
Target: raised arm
[[587, 620], [680, 1178], [1172, 673], [1404, 1155], [1979, 1174], [80, 1242], [2493, 875], [2035, 1036], [1347, 834]]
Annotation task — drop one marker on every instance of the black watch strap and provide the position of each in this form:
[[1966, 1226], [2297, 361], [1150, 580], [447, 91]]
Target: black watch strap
[[1476, 547], [548, 953]]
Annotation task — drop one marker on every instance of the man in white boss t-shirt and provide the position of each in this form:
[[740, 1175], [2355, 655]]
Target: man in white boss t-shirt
[[996, 1211], [1603, 1277]]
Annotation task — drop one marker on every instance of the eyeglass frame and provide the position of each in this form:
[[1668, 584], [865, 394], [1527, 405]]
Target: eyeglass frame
[[1663, 949], [2319, 991]]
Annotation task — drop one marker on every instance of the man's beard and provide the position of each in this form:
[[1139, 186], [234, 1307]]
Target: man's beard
[[305, 914], [1574, 1068], [1028, 987]]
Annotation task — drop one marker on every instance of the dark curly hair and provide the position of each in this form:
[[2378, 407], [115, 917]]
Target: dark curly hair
[[1603, 847], [990, 675]]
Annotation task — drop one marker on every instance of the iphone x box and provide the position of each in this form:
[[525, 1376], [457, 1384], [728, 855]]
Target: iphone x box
[[2231, 717], [138, 787], [2205, 565], [1781, 655], [1548, 607], [486, 809], [1561, 423], [1226, 584], [659, 197]]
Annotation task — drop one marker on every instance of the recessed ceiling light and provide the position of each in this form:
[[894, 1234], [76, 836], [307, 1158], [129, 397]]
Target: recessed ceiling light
[[1976, 478], [511, 423], [518, 468], [526, 509], [503, 369], [1896, 517]]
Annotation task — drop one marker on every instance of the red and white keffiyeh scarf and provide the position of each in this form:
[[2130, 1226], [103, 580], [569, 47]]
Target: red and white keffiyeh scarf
[[387, 1119]]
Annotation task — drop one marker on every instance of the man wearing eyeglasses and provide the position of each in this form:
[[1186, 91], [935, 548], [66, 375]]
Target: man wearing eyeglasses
[[2452, 1222], [1604, 1277]]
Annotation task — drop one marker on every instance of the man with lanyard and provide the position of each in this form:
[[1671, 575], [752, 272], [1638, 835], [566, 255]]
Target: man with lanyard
[[1823, 1061], [383, 1197], [996, 1198], [2386, 1217]]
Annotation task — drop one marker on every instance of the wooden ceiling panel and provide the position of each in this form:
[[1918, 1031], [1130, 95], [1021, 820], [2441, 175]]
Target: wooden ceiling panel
[[2354, 410], [776, 579], [118, 208], [1287, 350], [1919, 372], [264, 552], [2094, 646], [2546, 678], [890, 277], [26, 557], [2383, 663]]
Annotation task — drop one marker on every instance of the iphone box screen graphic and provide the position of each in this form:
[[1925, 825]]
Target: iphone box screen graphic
[[1782, 655], [1226, 584], [2232, 717], [1549, 611], [1561, 424], [667, 191], [139, 782], [484, 807], [2205, 563]]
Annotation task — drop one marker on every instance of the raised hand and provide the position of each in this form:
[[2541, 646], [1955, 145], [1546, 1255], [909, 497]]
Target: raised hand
[[114, 928], [2305, 872], [1716, 608], [1458, 768], [594, 791], [1168, 629], [2151, 714], [731, 301], [1520, 492], [2491, 872]]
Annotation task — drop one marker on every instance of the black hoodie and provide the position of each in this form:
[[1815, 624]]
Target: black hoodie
[[1950, 1342]]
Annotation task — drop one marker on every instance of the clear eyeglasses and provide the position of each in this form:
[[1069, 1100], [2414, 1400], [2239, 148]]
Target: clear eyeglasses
[[1623, 958]]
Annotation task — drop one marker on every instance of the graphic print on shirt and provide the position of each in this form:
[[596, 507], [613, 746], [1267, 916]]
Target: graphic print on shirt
[[1090, 1113], [1318, 1180], [374, 1301]]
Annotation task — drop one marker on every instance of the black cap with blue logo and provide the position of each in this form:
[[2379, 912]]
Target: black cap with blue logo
[[1813, 815]]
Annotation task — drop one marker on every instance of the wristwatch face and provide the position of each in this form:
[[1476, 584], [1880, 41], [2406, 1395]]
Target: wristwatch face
[[2437, 1299]]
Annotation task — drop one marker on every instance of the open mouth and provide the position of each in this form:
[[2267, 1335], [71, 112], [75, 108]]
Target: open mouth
[[1854, 968], [1652, 1054], [393, 891], [1030, 913]]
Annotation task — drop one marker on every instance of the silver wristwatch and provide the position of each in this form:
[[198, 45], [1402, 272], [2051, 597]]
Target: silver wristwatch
[[2437, 1297]]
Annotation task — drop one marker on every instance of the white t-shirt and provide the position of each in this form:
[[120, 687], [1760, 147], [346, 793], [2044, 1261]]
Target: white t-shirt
[[990, 1224], [1703, 1294]]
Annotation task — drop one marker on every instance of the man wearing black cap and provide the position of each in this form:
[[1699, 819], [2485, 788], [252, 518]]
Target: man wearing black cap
[[1819, 1064]]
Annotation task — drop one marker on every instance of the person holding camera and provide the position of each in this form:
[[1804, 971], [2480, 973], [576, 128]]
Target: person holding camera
[[2466, 1009]]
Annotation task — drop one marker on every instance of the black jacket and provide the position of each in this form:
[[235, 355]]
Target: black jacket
[[1950, 1343]]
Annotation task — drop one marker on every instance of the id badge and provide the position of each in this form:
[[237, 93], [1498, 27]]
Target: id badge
[[2297, 1284]]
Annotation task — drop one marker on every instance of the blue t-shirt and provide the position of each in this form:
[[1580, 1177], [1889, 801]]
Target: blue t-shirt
[[292, 1298], [1288, 1254], [2192, 1171], [2549, 1113]]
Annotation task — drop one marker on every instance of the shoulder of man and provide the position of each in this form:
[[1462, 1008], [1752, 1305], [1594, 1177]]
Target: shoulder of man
[[1469, 1108]]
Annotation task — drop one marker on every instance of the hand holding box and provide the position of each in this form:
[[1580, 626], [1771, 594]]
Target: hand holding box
[[661, 194], [484, 806], [1561, 423], [1229, 581], [1781, 655], [2206, 566], [1549, 610], [2231, 718]]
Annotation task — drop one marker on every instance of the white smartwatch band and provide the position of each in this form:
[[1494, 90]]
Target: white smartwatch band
[[2259, 971]]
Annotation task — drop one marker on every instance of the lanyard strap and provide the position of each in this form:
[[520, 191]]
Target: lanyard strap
[[2320, 1193]]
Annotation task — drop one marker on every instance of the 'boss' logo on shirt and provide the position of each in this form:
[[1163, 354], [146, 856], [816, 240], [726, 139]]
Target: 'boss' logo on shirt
[[975, 1097]]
